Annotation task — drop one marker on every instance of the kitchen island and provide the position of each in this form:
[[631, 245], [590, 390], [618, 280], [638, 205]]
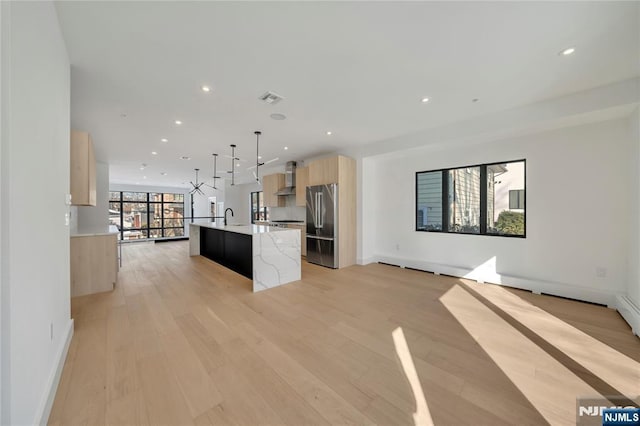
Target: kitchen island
[[267, 255]]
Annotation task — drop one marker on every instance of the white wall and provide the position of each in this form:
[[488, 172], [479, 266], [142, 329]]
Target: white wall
[[35, 239], [4, 134], [238, 198], [92, 219], [633, 289], [578, 212], [201, 203]]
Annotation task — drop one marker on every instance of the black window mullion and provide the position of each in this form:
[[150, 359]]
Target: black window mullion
[[121, 218], [445, 201], [148, 224], [162, 215], [483, 199]]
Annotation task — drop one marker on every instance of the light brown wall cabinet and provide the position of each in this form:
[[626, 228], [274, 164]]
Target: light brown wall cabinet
[[302, 180], [83, 170], [270, 185], [324, 171], [340, 170], [94, 264]]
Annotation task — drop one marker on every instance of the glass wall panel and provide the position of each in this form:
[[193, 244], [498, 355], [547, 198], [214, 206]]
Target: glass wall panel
[[429, 201], [506, 198]]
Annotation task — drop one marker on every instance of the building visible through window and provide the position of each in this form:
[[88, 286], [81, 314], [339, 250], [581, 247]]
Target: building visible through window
[[485, 199], [140, 215]]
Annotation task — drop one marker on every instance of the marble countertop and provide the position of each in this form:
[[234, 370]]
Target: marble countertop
[[281, 223], [110, 230], [92, 234], [240, 229]]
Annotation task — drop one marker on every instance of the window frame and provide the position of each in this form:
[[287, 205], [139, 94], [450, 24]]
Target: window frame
[[149, 214], [259, 196], [483, 200]]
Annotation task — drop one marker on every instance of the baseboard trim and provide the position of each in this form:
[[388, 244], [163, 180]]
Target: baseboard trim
[[534, 285], [366, 261], [42, 415], [630, 312]]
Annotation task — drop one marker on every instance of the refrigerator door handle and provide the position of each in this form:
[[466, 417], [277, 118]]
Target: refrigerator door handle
[[315, 237], [320, 213]]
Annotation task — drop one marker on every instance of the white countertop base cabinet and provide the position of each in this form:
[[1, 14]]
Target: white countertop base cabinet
[[274, 253]]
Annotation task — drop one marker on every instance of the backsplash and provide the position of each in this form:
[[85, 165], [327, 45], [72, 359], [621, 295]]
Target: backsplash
[[287, 213]]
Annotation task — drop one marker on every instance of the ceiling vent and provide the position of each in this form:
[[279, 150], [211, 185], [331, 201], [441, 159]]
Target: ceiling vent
[[271, 98]]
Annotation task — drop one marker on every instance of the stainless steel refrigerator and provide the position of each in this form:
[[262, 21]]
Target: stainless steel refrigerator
[[322, 225]]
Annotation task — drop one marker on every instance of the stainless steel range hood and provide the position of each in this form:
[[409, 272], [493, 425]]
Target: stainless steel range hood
[[289, 180]]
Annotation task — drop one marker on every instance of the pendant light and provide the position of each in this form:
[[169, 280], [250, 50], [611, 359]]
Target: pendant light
[[256, 172], [215, 170], [197, 185], [258, 163], [233, 161]]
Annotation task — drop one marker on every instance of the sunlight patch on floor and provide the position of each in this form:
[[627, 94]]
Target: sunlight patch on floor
[[615, 368], [548, 385], [422, 416]]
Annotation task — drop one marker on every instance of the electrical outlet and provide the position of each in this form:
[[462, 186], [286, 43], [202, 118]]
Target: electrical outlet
[[601, 271]]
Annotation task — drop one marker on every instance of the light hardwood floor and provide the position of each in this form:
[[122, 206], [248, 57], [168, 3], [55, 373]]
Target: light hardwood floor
[[183, 341]]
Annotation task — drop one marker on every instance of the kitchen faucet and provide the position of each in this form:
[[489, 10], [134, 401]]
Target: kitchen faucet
[[225, 215]]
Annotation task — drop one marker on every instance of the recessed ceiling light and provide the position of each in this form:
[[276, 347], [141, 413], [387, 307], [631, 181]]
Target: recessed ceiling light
[[164, 140], [278, 116], [425, 100], [154, 153], [163, 173], [178, 122], [206, 89], [259, 157], [329, 133], [184, 157], [144, 177], [568, 51], [238, 165], [286, 147]]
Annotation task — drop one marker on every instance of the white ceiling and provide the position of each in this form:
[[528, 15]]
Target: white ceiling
[[358, 69]]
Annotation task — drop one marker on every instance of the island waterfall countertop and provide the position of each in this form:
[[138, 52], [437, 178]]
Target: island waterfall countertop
[[270, 256]]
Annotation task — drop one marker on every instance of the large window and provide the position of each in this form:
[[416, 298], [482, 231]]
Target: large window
[[487, 199], [147, 214], [258, 210]]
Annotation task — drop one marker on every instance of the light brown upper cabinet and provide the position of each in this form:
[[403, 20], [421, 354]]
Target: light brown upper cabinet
[[324, 171], [270, 185], [340, 170], [83, 170], [302, 180]]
